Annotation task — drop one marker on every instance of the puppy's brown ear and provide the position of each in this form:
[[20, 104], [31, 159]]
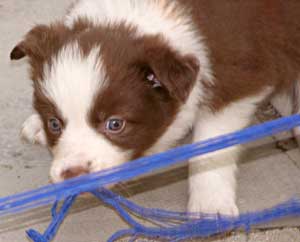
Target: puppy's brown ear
[[18, 52], [175, 72], [32, 45]]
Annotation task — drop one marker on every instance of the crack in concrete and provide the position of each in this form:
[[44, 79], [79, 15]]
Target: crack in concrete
[[297, 164]]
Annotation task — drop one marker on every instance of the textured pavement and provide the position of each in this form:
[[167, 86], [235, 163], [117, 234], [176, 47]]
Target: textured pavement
[[269, 174]]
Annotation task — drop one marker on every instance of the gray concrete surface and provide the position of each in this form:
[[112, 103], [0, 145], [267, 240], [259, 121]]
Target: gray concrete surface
[[270, 171]]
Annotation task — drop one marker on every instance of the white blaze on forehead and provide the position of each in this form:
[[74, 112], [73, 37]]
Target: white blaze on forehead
[[73, 80]]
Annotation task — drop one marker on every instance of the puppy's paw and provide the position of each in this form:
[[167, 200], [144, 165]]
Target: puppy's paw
[[33, 132], [221, 203]]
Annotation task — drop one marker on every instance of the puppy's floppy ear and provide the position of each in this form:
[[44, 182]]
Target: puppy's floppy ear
[[39, 45], [44, 40], [175, 72], [32, 45], [18, 52]]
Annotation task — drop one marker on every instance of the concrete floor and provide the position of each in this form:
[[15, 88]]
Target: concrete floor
[[270, 172]]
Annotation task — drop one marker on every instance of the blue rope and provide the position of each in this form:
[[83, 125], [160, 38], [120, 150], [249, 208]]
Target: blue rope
[[57, 219], [187, 228]]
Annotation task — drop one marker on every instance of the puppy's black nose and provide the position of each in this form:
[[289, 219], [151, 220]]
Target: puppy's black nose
[[74, 172]]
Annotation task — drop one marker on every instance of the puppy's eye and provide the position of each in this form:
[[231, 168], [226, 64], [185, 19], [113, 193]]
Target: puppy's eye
[[54, 125], [115, 125]]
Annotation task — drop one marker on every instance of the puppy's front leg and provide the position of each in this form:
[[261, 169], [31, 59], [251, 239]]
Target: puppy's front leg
[[33, 131], [212, 184]]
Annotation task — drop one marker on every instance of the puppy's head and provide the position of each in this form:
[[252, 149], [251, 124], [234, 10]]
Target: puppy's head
[[105, 94]]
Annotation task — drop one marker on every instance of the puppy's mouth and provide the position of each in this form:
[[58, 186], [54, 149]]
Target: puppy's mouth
[[82, 171]]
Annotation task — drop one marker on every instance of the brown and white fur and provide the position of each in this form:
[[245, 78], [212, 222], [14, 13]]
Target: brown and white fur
[[163, 67]]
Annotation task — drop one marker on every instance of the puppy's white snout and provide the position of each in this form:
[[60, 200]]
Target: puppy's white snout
[[71, 167]]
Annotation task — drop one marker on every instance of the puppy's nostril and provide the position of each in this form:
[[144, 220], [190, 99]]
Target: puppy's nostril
[[74, 172]]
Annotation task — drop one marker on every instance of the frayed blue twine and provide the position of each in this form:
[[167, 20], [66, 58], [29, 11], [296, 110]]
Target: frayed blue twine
[[173, 226], [57, 219]]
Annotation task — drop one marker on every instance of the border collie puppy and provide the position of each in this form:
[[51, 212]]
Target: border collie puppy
[[120, 79]]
